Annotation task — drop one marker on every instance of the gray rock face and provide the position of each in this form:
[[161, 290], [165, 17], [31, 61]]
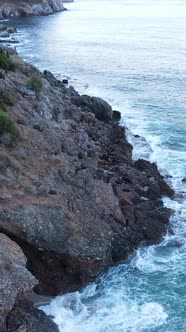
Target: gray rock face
[[2, 27], [14, 277], [25, 318], [98, 106], [34, 7], [11, 30], [27, 92]]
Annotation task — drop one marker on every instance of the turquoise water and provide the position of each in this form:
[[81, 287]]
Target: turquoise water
[[133, 54]]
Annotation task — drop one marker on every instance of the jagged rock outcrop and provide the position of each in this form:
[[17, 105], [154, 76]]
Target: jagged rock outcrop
[[14, 277], [16, 282], [10, 8], [70, 194], [26, 318]]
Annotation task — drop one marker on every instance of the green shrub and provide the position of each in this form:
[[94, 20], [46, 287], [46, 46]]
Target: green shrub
[[5, 62], [5, 99], [8, 126], [35, 83], [2, 106]]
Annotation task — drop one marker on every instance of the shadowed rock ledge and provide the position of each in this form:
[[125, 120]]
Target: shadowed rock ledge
[[10, 8], [71, 196], [16, 313]]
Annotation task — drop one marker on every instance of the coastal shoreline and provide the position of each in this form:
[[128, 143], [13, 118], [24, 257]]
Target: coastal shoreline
[[147, 278], [127, 208], [30, 8]]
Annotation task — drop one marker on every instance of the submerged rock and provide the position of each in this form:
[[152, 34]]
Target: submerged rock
[[11, 30], [4, 34], [65, 81]]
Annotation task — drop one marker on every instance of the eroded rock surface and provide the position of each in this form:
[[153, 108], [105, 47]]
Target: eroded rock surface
[[26, 318], [70, 193], [15, 279], [32, 7]]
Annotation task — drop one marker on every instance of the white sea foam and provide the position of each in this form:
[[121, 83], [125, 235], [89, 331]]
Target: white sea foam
[[108, 313]]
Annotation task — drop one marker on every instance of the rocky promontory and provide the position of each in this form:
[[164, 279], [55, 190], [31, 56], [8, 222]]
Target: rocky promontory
[[11, 8], [72, 200]]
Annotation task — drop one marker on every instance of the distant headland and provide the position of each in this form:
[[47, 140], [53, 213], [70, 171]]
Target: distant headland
[[11, 8]]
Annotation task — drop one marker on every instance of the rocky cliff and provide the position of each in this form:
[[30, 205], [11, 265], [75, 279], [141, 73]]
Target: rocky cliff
[[30, 7], [71, 197]]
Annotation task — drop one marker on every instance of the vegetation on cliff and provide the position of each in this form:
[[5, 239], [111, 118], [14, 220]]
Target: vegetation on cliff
[[5, 99], [7, 126], [35, 83], [5, 61]]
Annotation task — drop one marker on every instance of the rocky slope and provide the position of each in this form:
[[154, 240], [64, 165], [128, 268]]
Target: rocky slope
[[30, 7], [70, 195]]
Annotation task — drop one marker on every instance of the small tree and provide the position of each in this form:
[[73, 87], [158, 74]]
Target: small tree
[[8, 126], [35, 83], [5, 62], [5, 99]]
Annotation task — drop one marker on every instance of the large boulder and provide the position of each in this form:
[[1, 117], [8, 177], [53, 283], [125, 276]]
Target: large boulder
[[101, 109], [15, 279], [26, 318]]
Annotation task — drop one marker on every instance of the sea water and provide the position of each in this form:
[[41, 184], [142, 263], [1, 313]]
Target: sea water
[[133, 54]]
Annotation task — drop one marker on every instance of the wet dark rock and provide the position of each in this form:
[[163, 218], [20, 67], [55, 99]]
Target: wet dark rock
[[52, 192], [4, 34], [116, 115], [152, 172], [11, 30], [98, 106], [65, 81], [26, 318], [2, 27], [50, 78], [38, 127]]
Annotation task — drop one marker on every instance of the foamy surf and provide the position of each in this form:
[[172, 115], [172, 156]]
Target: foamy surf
[[108, 312]]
